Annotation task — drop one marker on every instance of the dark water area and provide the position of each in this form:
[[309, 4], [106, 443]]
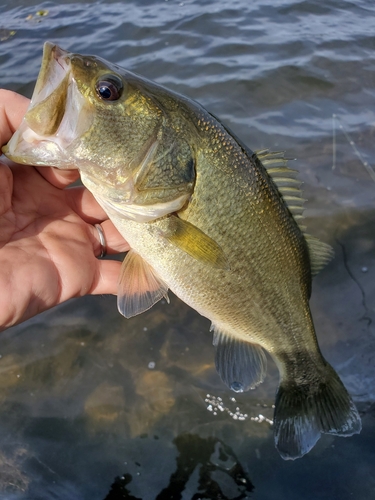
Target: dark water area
[[97, 407]]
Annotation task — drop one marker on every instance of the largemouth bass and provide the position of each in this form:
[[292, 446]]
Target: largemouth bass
[[206, 217]]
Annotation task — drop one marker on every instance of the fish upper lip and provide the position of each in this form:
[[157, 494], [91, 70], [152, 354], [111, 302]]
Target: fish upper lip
[[56, 50], [55, 66]]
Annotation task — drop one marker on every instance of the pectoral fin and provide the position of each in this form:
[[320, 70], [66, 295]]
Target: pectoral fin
[[241, 365], [195, 242], [139, 286]]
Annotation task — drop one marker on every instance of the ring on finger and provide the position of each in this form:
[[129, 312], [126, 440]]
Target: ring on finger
[[103, 244]]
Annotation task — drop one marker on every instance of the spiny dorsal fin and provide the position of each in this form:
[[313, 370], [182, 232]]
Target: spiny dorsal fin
[[285, 180], [289, 187]]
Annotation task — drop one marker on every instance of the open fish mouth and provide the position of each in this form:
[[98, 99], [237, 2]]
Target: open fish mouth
[[54, 118]]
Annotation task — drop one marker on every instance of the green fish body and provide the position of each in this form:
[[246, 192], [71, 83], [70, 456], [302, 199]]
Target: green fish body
[[205, 217]]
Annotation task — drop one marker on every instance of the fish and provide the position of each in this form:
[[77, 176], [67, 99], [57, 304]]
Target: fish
[[218, 224]]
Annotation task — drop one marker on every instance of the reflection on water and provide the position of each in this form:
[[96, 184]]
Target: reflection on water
[[81, 395], [89, 399]]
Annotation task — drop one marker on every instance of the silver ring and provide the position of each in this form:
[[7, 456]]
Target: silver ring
[[103, 244]]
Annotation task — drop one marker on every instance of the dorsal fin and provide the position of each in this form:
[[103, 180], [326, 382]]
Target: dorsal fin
[[320, 253], [285, 180], [289, 188]]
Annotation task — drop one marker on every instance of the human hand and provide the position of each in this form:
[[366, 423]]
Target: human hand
[[48, 242]]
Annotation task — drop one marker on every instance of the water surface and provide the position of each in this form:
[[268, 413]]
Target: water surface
[[97, 407]]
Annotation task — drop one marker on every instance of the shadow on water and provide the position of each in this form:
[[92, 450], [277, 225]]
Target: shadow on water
[[208, 462]]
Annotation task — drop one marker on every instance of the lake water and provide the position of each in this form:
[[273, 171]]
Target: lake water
[[97, 407]]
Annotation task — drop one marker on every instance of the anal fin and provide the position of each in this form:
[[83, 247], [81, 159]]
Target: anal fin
[[240, 364], [139, 286]]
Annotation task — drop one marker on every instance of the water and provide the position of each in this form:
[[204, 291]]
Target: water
[[97, 407]]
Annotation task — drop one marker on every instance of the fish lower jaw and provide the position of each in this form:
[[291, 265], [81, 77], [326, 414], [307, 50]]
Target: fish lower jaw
[[27, 147]]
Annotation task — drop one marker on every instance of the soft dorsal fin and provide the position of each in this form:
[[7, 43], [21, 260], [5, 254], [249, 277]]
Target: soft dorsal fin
[[288, 186], [139, 286], [320, 253], [240, 364]]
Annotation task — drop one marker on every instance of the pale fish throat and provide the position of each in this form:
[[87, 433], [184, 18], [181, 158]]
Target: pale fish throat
[[120, 203]]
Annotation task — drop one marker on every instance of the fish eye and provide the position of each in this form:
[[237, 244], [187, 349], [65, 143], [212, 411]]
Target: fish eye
[[109, 87]]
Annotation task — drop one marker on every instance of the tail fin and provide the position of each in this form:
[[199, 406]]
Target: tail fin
[[303, 412]]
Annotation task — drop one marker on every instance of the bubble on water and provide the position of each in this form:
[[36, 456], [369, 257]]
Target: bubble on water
[[215, 405], [151, 365], [261, 418]]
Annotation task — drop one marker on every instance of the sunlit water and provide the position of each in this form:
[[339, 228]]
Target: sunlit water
[[97, 407]]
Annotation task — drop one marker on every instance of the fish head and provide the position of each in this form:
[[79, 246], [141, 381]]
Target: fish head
[[91, 115]]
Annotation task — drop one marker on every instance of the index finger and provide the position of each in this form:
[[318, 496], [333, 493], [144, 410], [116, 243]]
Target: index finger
[[13, 107]]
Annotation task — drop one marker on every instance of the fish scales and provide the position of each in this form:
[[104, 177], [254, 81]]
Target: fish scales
[[213, 206], [205, 217]]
